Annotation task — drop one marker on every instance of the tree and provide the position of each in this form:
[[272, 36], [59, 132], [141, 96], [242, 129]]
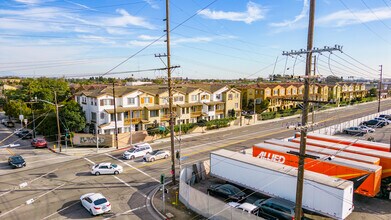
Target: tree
[[72, 116], [231, 113], [202, 123], [14, 108], [372, 92], [333, 79]]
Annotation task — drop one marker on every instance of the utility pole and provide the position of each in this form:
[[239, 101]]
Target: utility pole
[[170, 92], [115, 119], [58, 122], [380, 85], [131, 119]]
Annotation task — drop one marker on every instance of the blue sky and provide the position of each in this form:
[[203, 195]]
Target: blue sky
[[229, 39]]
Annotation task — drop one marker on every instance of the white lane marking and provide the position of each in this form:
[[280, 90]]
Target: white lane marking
[[55, 158], [61, 210], [30, 201], [25, 184], [17, 207], [85, 158], [245, 131], [124, 213], [127, 184], [146, 174]]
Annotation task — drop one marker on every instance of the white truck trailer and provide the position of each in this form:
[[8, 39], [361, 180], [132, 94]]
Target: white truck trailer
[[326, 195]]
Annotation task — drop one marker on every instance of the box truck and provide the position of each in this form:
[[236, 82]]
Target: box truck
[[323, 194]]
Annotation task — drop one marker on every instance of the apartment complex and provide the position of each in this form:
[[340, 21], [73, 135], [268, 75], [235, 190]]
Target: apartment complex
[[280, 95], [142, 107]]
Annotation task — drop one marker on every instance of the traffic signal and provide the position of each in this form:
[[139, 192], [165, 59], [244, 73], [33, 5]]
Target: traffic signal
[[162, 178], [177, 154]]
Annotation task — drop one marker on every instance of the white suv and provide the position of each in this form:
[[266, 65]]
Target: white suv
[[139, 150]]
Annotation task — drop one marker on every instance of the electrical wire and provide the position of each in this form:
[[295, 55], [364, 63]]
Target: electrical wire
[[377, 17]]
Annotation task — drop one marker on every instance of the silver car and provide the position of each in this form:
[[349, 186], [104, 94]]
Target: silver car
[[156, 155]]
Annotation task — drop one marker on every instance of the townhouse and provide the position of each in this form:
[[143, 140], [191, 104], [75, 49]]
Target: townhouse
[[143, 107]]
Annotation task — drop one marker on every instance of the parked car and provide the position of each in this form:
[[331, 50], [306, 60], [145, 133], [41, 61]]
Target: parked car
[[10, 124], [385, 116], [280, 208], [39, 143], [374, 123], [354, 131], [106, 168], [383, 119], [139, 150], [246, 208], [366, 128], [16, 161], [156, 155], [24, 134], [95, 203], [227, 191]]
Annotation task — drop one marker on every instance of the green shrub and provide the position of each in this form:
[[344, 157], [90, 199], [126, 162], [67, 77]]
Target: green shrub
[[268, 115]]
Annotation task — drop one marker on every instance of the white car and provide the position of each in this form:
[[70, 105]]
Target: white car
[[366, 128], [247, 208], [139, 150], [106, 168], [95, 203], [156, 155]]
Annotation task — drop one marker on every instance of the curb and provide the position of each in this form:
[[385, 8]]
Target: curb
[[153, 193]]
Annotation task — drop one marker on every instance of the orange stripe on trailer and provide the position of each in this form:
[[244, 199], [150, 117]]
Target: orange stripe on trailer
[[366, 177], [385, 157]]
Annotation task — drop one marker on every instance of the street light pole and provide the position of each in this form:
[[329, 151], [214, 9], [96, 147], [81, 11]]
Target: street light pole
[[58, 122]]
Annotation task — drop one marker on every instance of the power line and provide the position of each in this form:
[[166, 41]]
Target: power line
[[359, 61], [375, 15], [368, 27]]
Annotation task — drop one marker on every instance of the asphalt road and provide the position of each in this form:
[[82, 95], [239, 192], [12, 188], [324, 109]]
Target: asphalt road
[[51, 188]]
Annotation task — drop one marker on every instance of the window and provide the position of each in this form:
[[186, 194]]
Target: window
[[183, 110], [104, 102], [282, 91], [268, 92], [178, 98], [102, 115], [275, 92], [237, 95], [211, 108], [236, 105], [84, 100], [300, 91], [119, 117], [146, 100], [194, 98], [205, 97], [230, 96], [154, 113], [91, 101], [288, 91], [130, 101], [165, 100], [294, 91], [218, 96], [112, 117], [93, 116], [256, 92]]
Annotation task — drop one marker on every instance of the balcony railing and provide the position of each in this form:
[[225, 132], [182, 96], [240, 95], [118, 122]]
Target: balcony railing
[[195, 114], [134, 121], [219, 111], [165, 117]]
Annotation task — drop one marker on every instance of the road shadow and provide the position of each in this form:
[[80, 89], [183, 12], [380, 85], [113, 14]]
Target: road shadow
[[74, 210], [83, 174]]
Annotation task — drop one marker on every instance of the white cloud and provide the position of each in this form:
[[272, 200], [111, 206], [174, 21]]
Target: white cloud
[[96, 39], [152, 3], [345, 17], [29, 2], [254, 13], [298, 18], [80, 5], [126, 19]]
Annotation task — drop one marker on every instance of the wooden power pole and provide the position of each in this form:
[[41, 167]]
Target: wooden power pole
[[58, 122], [170, 92], [304, 118], [115, 118], [380, 85]]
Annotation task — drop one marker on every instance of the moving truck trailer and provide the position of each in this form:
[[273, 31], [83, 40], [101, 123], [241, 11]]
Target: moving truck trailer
[[385, 160], [326, 151], [348, 141], [323, 194], [366, 178]]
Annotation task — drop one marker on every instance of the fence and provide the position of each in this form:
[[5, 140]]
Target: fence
[[204, 204], [338, 128]]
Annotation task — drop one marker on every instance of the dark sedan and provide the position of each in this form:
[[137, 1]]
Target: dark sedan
[[16, 161], [25, 134], [227, 191], [374, 123]]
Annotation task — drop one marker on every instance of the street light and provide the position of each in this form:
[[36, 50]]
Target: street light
[[57, 117]]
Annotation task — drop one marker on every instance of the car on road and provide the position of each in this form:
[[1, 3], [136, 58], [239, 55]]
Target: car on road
[[106, 168], [366, 128], [16, 161], [156, 155], [227, 191], [281, 208], [95, 203], [24, 134], [374, 123], [39, 143], [138, 150], [355, 131]]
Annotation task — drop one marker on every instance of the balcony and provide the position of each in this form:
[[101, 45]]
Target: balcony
[[165, 117], [220, 111], [195, 114], [134, 121]]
